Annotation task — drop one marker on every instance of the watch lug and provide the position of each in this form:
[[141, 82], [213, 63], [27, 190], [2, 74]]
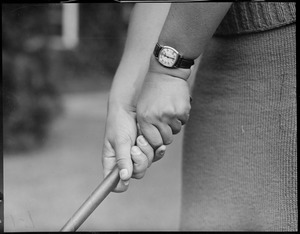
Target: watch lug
[[178, 62]]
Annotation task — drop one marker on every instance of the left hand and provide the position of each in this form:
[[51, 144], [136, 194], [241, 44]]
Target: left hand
[[163, 107]]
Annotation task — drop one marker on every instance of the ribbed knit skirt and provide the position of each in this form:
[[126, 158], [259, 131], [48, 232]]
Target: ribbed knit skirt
[[240, 144]]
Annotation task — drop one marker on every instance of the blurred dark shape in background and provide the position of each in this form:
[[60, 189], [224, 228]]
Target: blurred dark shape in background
[[40, 63]]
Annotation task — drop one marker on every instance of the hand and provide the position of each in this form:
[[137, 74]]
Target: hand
[[120, 137], [163, 107]]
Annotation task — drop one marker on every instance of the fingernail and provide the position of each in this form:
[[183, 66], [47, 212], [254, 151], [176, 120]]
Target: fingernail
[[126, 182], [123, 174], [160, 153], [161, 150], [135, 150], [142, 140]]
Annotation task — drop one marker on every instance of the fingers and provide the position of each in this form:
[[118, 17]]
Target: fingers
[[146, 148], [143, 155], [149, 152], [122, 148], [140, 162], [175, 125], [108, 163], [166, 133], [151, 133], [158, 134], [159, 153], [134, 160]]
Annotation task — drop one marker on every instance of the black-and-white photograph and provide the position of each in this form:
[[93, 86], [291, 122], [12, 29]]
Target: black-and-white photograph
[[149, 116]]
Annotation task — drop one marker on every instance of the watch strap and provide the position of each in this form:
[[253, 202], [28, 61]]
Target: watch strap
[[184, 63], [156, 50]]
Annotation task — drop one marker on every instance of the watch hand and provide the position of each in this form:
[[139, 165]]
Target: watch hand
[[169, 57]]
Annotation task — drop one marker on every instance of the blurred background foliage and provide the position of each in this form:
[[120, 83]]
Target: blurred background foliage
[[37, 69]]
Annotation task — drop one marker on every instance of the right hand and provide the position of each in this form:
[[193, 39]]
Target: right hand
[[119, 146]]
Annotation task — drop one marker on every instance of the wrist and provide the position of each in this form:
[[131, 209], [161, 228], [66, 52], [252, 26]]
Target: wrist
[[128, 82], [156, 67], [120, 103]]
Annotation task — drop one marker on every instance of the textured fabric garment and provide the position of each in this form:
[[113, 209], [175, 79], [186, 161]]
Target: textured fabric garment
[[247, 17], [240, 151]]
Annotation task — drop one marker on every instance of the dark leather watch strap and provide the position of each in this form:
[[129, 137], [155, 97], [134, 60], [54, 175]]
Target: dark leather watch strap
[[184, 63], [156, 50]]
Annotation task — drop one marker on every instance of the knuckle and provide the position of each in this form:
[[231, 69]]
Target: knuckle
[[141, 166], [121, 160], [184, 109], [145, 116], [169, 112], [142, 116]]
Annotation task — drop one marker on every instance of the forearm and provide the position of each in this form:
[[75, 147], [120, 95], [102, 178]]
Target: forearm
[[145, 26], [188, 28]]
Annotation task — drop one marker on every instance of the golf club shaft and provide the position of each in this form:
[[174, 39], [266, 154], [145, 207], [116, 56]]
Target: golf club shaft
[[96, 197]]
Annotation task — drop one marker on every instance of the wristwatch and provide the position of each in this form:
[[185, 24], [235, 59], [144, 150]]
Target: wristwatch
[[171, 58]]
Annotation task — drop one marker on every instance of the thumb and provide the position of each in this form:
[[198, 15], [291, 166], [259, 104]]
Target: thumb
[[123, 156]]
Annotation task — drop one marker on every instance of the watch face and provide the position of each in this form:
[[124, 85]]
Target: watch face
[[168, 56]]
